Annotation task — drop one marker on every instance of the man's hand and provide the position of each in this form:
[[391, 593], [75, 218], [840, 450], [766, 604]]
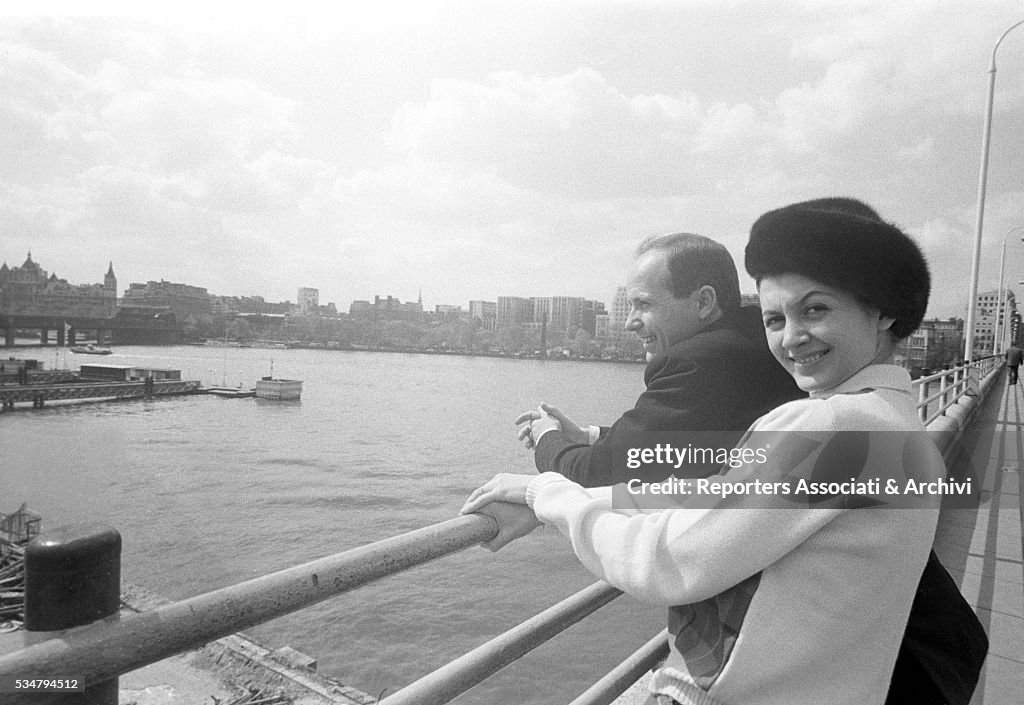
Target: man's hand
[[547, 417], [514, 522]]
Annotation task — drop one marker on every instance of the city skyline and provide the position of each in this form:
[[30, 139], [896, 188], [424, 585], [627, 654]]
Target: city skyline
[[441, 146], [341, 306]]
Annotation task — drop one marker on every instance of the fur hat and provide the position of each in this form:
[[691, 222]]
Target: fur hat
[[844, 243]]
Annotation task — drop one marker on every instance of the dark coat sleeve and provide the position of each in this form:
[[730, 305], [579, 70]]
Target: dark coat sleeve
[[709, 398]]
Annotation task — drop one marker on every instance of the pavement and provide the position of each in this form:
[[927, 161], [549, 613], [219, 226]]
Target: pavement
[[981, 546]]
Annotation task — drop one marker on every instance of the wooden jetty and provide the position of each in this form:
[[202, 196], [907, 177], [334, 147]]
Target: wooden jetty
[[16, 530], [39, 394]]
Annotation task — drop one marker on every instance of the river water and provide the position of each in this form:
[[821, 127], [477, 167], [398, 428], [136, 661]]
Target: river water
[[207, 492]]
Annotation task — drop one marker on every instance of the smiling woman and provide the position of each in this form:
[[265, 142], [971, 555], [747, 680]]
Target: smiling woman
[[821, 335]]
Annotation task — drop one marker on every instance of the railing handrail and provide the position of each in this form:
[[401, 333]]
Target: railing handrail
[[458, 676], [954, 385], [108, 648], [617, 680], [979, 362]]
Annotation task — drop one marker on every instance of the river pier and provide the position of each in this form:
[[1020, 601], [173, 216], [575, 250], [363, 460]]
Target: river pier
[[29, 384]]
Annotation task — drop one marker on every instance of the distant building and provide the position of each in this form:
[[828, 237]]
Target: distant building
[[447, 312], [988, 310], [566, 312], [29, 290], [618, 315], [540, 307], [308, 301], [360, 308], [550, 313], [191, 305], [387, 308], [589, 311], [146, 325], [934, 344], [513, 311], [485, 313], [233, 305], [750, 300]]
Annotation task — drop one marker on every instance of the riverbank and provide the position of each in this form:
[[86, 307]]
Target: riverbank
[[274, 345], [226, 669]]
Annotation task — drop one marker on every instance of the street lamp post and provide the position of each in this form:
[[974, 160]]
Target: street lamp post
[[1000, 310], [982, 177]]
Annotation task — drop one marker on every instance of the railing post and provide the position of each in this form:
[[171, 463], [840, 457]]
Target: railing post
[[72, 578], [944, 387], [922, 394]]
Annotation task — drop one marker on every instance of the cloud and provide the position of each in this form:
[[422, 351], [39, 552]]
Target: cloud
[[814, 114], [924, 148], [573, 133]]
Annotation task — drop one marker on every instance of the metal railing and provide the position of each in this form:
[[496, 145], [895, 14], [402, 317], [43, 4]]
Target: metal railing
[[953, 384], [102, 650]]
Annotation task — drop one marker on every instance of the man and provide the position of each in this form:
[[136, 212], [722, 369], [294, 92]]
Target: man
[[1013, 360], [709, 370]]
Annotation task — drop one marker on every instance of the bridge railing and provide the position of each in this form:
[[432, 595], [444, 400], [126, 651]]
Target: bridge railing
[[940, 391], [99, 651]]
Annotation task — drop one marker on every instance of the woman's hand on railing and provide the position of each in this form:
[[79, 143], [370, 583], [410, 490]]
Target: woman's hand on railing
[[514, 522], [503, 487], [503, 498]]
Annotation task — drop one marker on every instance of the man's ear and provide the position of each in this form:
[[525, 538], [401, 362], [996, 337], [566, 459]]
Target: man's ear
[[707, 301]]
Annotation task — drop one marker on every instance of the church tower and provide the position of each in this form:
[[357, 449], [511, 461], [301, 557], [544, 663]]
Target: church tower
[[110, 289]]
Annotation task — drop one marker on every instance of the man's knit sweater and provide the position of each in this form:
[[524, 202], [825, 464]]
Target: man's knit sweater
[[773, 606]]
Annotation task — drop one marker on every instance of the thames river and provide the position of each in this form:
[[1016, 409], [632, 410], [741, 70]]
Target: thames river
[[207, 492]]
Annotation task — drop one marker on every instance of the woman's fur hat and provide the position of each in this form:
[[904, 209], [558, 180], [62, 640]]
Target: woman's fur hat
[[844, 243]]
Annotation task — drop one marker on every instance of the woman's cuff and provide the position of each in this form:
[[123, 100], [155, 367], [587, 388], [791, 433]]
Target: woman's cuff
[[538, 483]]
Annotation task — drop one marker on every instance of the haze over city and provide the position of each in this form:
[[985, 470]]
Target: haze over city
[[472, 150]]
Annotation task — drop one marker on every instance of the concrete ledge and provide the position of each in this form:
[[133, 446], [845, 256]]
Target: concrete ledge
[[947, 430]]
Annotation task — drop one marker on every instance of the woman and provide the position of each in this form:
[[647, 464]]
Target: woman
[[780, 598]]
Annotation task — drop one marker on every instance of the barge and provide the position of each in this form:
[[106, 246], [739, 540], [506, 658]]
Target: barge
[[279, 389]]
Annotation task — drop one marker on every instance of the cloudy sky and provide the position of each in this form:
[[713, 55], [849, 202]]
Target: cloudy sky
[[479, 149]]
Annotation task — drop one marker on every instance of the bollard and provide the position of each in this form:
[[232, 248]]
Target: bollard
[[72, 578]]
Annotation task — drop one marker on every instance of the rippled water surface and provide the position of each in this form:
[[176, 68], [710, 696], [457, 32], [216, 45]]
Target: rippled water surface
[[207, 492]]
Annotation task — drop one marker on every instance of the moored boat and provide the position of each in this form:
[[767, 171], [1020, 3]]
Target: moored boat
[[229, 392], [91, 349]]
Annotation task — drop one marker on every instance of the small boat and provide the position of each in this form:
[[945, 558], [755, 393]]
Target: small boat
[[279, 389], [229, 392], [91, 349]]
